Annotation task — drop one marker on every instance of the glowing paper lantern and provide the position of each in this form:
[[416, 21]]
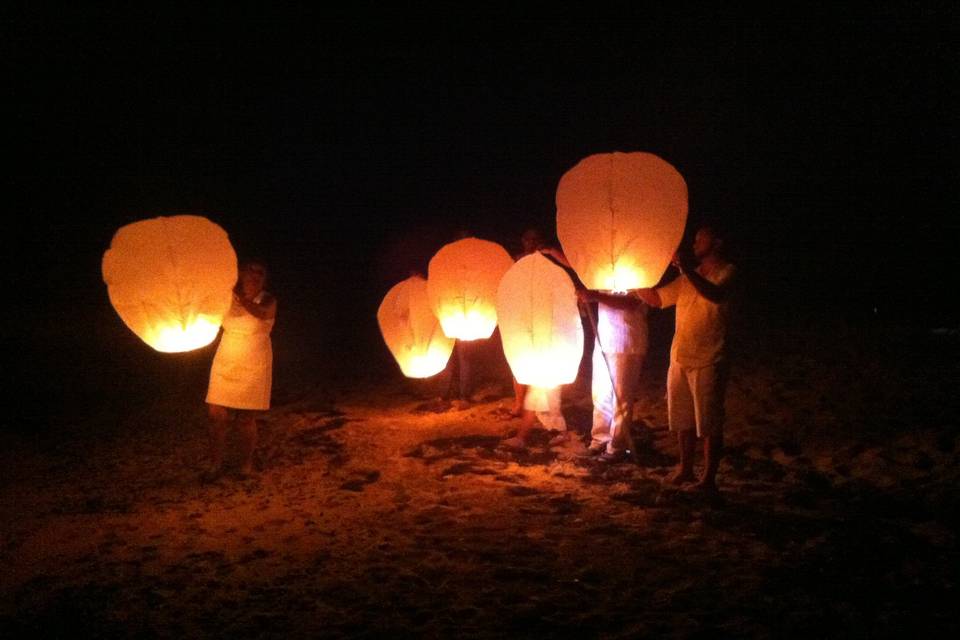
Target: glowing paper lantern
[[462, 281], [411, 331], [539, 323], [171, 280], [620, 218]]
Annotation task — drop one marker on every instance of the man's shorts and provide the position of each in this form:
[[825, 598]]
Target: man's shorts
[[695, 398]]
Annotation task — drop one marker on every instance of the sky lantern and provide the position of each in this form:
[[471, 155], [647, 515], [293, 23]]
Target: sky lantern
[[540, 323], [411, 331], [462, 281], [171, 280], [620, 218]]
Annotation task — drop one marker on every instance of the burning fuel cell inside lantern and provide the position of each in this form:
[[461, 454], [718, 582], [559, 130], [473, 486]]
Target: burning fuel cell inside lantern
[[623, 276], [462, 284]]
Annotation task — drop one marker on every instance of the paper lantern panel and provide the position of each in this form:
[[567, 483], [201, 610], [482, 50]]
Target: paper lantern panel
[[462, 281], [171, 280], [411, 331], [540, 323], [620, 219]]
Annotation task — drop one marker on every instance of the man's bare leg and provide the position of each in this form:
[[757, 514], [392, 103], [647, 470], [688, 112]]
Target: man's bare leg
[[247, 426], [527, 423], [687, 440]]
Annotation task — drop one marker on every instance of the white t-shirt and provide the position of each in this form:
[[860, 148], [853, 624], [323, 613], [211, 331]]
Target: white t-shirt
[[701, 325], [622, 331]]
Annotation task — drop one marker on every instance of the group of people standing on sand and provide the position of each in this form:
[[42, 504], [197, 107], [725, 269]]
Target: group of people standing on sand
[[696, 380], [240, 378]]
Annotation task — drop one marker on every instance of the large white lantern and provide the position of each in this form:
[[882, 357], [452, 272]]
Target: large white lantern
[[462, 280], [411, 331], [540, 323], [171, 280], [620, 219]]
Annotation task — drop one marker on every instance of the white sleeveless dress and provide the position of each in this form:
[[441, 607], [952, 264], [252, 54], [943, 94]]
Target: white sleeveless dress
[[242, 371]]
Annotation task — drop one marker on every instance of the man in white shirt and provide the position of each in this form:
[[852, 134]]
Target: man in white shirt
[[696, 381]]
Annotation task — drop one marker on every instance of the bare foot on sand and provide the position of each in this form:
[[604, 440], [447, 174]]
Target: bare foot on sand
[[681, 477], [516, 444], [560, 439]]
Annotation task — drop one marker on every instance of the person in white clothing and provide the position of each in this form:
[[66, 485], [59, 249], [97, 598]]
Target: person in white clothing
[[241, 375], [618, 354], [696, 380]]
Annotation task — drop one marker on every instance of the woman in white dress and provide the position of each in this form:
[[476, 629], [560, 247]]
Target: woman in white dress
[[241, 375]]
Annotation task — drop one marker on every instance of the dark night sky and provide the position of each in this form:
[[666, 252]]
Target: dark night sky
[[346, 150]]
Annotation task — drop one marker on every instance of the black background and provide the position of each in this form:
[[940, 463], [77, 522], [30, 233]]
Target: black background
[[346, 149]]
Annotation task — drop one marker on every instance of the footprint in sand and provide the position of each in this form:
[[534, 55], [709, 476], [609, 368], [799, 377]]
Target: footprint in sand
[[462, 468], [521, 491], [363, 479]]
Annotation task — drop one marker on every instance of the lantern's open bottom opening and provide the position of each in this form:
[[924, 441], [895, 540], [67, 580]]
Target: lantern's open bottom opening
[[178, 338]]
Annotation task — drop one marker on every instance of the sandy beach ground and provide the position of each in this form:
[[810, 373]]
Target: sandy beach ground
[[380, 512]]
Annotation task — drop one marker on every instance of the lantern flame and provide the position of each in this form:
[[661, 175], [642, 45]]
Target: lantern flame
[[426, 364], [547, 368], [462, 284], [467, 324], [178, 338], [623, 276]]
